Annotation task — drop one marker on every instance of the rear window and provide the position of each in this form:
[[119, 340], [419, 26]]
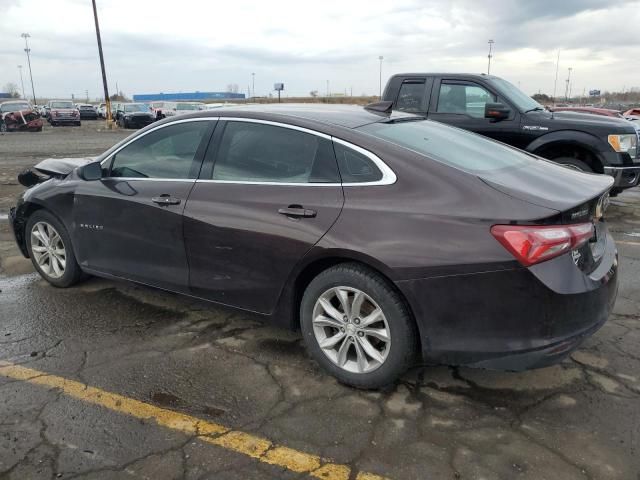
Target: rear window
[[452, 146]]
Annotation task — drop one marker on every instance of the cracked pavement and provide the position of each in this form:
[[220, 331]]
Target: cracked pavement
[[576, 420]]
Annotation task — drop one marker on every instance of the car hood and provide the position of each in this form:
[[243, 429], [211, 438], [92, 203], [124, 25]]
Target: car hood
[[574, 120], [548, 184], [61, 166]]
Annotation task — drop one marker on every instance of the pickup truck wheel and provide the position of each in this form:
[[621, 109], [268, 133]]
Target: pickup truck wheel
[[573, 164]]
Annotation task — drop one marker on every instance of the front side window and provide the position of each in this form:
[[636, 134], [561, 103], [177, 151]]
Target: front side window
[[410, 97], [256, 152], [466, 99], [168, 152]]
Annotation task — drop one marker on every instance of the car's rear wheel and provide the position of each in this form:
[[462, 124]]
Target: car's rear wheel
[[357, 326], [50, 249], [574, 164]]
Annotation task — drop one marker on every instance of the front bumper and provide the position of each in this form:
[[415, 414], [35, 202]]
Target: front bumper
[[624, 177], [512, 319], [17, 227]]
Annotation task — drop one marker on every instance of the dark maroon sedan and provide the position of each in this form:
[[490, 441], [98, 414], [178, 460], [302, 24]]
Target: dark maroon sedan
[[385, 238]]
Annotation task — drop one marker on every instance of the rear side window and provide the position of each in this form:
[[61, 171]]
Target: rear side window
[[256, 152], [356, 167], [164, 153], [411, 96], [468, 99]]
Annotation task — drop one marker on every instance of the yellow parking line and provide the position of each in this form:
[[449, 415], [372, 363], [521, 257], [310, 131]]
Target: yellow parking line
[[244, 443]]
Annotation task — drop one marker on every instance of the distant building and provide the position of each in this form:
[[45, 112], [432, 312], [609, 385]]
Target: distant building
[[186, 96]]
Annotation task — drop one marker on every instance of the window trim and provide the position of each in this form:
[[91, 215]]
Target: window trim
[[388, 175], [109, 159]]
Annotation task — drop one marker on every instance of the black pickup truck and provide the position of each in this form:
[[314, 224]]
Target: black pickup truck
[[493, 107]]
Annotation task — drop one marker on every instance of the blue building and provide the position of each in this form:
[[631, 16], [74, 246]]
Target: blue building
[[8, 95], [186, 96]]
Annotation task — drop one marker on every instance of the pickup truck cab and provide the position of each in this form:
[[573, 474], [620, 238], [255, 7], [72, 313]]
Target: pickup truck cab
[[493, 107]]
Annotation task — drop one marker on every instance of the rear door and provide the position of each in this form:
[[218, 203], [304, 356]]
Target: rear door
[[413, 94], [461, 103], [129, 223], [267, 193]]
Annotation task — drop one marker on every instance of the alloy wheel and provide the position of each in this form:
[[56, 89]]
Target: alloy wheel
[[351, 329], [48, 249]]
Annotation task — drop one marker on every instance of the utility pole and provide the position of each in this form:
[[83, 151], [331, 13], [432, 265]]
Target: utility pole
[[555, 83], [380, 58], [491, 42], [328, 91], [107, 100], [22, 82], [28, 50], [566, 90], [253, 80]]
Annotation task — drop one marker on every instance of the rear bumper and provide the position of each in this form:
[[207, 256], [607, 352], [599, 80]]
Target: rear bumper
[[512, 319], [624, 177]]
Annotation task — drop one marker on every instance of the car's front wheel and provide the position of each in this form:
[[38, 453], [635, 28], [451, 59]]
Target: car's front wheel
[[357, 326], [50, 249]]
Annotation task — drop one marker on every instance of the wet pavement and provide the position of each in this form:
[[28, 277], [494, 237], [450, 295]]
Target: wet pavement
[[576, 420]]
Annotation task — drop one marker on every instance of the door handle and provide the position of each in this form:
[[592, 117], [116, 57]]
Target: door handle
[[297, 211], [166, 200]]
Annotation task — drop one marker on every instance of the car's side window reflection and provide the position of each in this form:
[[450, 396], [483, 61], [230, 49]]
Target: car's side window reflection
[[255, 152], [164, 153]]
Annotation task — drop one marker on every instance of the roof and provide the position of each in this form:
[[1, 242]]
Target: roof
[[349, 116], [465, 76]]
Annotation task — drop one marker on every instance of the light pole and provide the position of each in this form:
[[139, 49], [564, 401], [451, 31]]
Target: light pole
[[253, 84], [380, 85], [555, 83], [491, 42], [107, 100], [328, 91], [28, 50], [566, 90], [22, 81]]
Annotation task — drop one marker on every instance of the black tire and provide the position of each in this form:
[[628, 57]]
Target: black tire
[[72, 272], [3, 127], [573, 163], [78, 124], [402, 329]]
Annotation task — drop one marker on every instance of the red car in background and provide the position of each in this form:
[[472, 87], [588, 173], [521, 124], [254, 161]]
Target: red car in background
[[19, 116], [606, 112], [632, 114]]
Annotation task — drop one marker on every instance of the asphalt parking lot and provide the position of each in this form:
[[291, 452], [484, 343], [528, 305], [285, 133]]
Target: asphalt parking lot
[[113, 380]]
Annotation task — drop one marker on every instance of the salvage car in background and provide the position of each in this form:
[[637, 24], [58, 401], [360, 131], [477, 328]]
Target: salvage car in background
[[18, 116], [381, 236], [134, 115], [61, 112], [87, 111]]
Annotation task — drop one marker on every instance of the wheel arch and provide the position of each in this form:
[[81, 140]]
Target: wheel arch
[[287, 312], [22, 218], [579, 145]]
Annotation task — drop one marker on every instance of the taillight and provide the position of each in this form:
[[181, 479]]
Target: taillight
[[532, 244]]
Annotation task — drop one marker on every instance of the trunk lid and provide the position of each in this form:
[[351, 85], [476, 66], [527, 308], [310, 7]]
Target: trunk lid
[[548, 184]]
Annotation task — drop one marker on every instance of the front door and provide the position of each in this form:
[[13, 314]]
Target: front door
[[129, 223], [461, 103], [265, 197]]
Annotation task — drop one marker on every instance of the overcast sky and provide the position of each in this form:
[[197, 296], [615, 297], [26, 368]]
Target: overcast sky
[[170, 46]]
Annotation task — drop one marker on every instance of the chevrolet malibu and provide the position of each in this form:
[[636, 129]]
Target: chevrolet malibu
[[385, 238]]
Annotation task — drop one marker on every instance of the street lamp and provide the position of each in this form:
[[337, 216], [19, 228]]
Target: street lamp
[[491, 42], [380, 84], [566, 90], [22, 81], [28, 50], [253, 84]]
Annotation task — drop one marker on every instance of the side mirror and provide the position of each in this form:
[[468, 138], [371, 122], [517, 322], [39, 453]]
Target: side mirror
[[90, 171], [496, 111]]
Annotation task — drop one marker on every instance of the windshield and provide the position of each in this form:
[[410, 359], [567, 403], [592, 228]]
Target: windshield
[[136, 107], [452, 146], [523, 101], [186, 106], [61, 104], [14, 107]]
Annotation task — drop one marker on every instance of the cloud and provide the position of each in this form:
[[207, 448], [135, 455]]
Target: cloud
[[205, 45]]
